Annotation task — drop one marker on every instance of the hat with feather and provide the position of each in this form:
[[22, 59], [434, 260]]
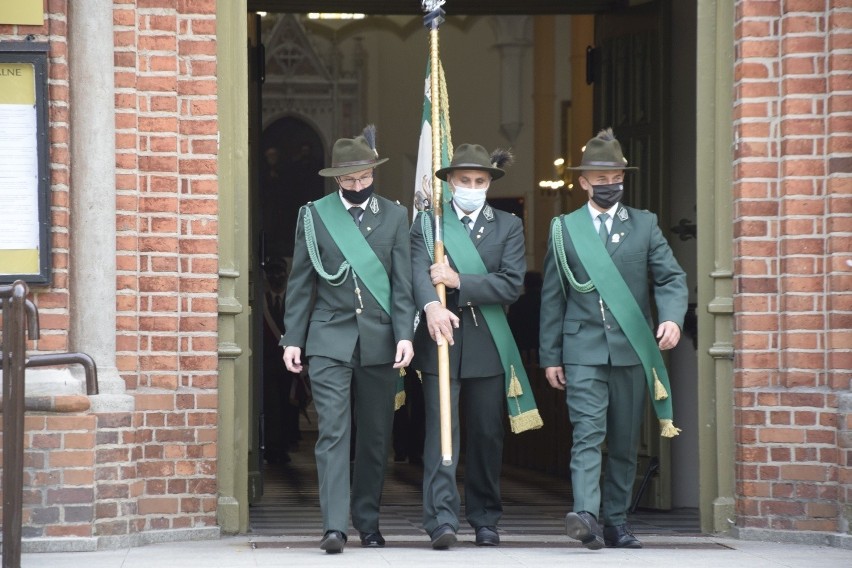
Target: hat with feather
[[350, 155], [603, 153], [476, 157]]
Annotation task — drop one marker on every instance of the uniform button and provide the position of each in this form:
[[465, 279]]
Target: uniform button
[[358, 311], [608, 326]]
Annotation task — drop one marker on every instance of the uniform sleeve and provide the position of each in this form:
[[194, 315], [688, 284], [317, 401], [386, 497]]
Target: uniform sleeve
[[401, 293], [424, 292], [300, 291], [553, 304], [670, 292]]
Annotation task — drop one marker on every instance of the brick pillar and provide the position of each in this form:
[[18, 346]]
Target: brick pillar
[[792, 201]]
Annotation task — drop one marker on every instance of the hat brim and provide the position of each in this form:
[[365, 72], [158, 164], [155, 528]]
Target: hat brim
[[350, 169], [598, 168], [496, 173]]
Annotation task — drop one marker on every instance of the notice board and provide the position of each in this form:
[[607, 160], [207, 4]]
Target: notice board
[[24, 167], [22, 12]]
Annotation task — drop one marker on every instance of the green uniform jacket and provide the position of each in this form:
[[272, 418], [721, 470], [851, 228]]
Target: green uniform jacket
[[573, 331], [328, 320], [499, 239]]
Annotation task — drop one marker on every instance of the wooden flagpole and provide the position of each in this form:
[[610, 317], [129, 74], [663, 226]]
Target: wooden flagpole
[[433, 19]]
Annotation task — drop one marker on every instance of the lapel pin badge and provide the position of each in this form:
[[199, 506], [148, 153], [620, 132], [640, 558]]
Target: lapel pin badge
[[616, 237]]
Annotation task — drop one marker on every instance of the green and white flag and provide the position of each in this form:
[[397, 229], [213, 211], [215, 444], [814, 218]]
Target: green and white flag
[[425, 170]]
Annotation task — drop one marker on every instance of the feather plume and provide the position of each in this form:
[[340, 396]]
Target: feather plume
[[369, 135], [501, 158], [606, 134]]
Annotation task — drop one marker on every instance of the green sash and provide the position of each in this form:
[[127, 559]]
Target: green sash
[[523, 414], [355, 248], [360, 256], [614, 291]]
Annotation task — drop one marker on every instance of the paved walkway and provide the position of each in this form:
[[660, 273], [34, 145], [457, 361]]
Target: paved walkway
[[303, 552], [286, 526]]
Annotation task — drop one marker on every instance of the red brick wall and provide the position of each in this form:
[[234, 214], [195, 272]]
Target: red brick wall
[[166, 137], [59, 481], [793, 305], [154, 468]]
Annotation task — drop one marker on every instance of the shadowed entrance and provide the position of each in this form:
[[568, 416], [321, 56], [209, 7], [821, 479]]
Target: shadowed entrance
[[534, 504]]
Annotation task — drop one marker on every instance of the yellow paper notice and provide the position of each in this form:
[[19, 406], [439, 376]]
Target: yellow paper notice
[[22, 12], [17, 84]]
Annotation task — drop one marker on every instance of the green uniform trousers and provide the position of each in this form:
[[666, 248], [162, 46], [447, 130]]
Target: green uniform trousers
[[604, 402], [333, 383], [483, 405]]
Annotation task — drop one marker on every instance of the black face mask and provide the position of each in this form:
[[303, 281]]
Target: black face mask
[[607, 195], [357, 197]]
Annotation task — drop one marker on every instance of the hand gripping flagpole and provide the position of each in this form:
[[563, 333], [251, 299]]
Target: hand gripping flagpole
[[433, 19]]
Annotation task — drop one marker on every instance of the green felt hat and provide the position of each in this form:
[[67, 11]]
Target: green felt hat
[[603, 153], [476, 157], [350, 155]]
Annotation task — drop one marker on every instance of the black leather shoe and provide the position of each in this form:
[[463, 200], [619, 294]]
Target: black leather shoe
[[372, 540], [582, 526], [443, 537], [487, 536], [332, 542], [620, 536]]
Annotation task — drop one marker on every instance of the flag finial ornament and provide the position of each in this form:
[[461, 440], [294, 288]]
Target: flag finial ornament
[[432, 5], [434, 14]]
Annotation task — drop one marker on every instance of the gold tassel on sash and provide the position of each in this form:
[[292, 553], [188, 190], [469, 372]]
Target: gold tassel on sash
[[529, 420], [514, 385], [668, 429], [399, 399], [659, 390], [523, 421]]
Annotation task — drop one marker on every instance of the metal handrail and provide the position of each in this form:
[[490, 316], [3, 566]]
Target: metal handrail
[[51, 359], [14, 360], [32, 318], [20, 319]]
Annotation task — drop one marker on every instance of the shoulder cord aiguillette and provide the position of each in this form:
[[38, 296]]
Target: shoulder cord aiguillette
[[562, 260], [313, 253]]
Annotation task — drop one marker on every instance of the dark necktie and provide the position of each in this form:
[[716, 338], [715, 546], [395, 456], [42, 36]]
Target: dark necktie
[[602, 230], [356, 214], [276, 307], [466, 221]]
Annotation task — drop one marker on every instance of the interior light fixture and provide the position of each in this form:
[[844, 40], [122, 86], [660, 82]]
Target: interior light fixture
[[334, 16]]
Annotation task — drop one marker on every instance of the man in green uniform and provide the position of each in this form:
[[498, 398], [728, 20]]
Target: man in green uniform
[[349, 310], [596, 339], [483, 273]]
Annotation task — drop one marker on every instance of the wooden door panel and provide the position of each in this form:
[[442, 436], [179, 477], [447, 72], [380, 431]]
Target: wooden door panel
[[629, 63]]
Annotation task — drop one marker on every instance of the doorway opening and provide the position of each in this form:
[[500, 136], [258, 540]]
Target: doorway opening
[[293, 152], [334, 76]]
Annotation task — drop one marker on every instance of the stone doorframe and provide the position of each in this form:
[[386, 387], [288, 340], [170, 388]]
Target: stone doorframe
[[234, 263], [714, 193], [715, 36]]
